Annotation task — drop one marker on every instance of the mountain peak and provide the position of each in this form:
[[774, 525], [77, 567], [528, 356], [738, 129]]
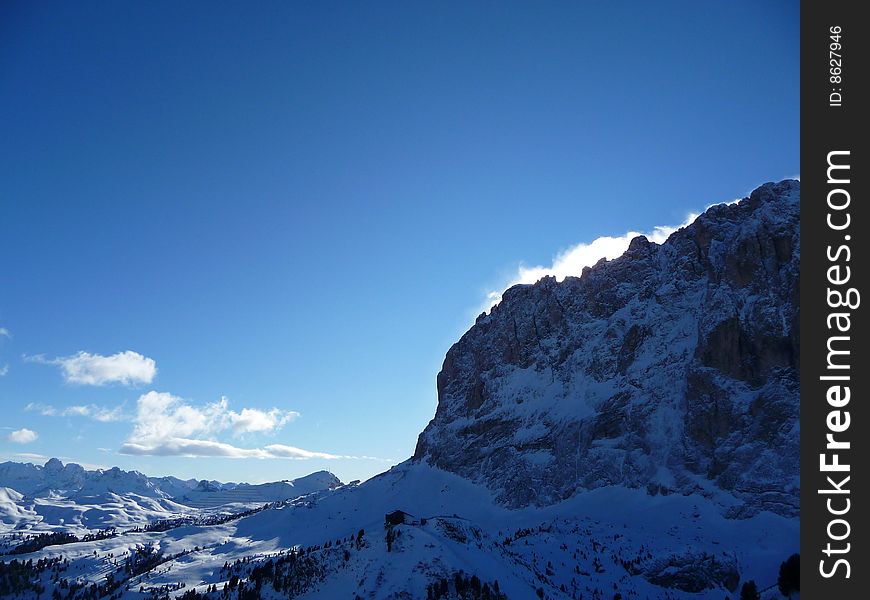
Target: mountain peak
[[672, 368], [53, 464]]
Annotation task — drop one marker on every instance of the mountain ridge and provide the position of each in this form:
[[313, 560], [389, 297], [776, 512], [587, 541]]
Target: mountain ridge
[[55, 478], [668, 367]]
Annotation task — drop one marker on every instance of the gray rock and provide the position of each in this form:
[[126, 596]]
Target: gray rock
[[673, 367]]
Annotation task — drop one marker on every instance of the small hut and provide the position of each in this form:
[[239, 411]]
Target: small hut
[[397, 517]]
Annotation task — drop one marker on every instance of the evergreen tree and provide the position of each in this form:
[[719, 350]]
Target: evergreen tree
[[789, 580], [749, 591]]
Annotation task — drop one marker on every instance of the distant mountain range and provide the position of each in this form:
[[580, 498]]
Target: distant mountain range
[[55, 479]]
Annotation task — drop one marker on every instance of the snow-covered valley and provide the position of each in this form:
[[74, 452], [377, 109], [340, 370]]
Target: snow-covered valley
[[609, 541]]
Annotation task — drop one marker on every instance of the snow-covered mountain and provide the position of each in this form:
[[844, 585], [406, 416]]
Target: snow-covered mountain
[[57, 479], [58, 497], [628, 433], [606, 543], [54, 479], [672, 368], [209, 495]]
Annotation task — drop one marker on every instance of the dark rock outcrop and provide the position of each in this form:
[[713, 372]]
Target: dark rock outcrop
[[673, 367]]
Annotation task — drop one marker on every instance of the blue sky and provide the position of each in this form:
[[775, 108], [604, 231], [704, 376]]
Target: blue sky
[[254, 231]]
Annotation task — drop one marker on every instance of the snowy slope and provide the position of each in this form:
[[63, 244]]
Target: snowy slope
[[12, 512], [613, 540]]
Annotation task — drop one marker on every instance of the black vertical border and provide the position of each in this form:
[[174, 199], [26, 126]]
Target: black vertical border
[[826, 128]]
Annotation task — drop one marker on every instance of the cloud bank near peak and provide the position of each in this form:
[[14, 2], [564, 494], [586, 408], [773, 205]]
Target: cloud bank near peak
[[570, 262]]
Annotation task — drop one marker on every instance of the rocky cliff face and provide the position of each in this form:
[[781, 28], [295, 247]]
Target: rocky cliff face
[[673, 367]]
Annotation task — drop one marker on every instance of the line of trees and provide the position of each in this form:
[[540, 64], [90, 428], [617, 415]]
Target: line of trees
[[464, 587], [43, 540], [788, 581]]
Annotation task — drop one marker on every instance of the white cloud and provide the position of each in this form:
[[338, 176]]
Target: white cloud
[[4, 333], [166, 425], [92, 411], [84, 368], [29, 456], [160, 414], [193, 447], [253, 420], [98, 413], [46, 410], [22, 436], [571, 261], [282, 451]]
